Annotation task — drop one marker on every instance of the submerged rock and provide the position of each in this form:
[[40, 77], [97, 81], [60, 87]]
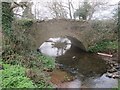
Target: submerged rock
[[112, 70], [114, 75]]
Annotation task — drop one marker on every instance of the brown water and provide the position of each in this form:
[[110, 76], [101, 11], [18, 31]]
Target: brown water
[[77, 69]]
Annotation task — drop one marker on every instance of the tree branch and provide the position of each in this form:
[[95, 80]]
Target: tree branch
[[21, 4]]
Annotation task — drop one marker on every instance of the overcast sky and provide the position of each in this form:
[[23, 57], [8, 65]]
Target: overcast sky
[[110, 1], [45, 13]]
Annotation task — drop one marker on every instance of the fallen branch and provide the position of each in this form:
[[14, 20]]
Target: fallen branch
[[104, 54]]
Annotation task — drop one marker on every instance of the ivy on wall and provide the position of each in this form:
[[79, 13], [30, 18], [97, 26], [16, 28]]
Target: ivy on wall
[[7, 18]]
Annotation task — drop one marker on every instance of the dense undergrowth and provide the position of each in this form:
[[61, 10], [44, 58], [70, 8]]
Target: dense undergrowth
[[23, 66], [107, 36], [106, 46], [15, 76]]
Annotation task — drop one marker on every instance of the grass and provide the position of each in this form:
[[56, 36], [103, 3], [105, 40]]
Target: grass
[[104, 46]]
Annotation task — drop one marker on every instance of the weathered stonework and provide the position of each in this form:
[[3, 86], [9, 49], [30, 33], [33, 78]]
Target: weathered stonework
[[80, 32]]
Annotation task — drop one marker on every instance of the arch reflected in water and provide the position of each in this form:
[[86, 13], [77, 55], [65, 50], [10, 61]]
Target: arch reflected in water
[[55, 46]]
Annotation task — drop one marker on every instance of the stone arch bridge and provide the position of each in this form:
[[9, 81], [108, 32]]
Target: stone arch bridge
[[79, 32]]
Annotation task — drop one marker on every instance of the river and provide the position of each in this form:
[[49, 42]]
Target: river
[[76, 68]]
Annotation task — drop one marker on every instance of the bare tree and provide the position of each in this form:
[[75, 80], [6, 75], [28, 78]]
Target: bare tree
[[41, 13], [70, 8], [88, 8], [83, 11], [22, 9], [16, 7], [27, 13], [20, 4], [57, 9]]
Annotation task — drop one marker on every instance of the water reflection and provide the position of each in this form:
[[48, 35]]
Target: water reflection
[[100, 82], [89, 68], [83, 64], [55, 46]]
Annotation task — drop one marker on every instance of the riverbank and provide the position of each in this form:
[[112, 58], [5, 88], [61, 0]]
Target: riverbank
[[114, 69], [108, 51]]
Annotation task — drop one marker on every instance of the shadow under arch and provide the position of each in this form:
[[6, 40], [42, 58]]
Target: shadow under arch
[[77, 43]]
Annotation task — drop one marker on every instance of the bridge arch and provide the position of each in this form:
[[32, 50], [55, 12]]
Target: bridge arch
[[79, 32], [77, 43]]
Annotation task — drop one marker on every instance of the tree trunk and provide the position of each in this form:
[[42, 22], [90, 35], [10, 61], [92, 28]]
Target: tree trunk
[[118, 30]]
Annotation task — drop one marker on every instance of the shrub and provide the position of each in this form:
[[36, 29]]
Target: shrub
[[13, 76], [47, 61], [105, 45], [25, 23]]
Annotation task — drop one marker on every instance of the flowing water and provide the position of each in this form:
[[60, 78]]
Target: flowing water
[[77, 68]]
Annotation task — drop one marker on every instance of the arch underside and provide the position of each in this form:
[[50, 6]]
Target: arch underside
[[77, 43]]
